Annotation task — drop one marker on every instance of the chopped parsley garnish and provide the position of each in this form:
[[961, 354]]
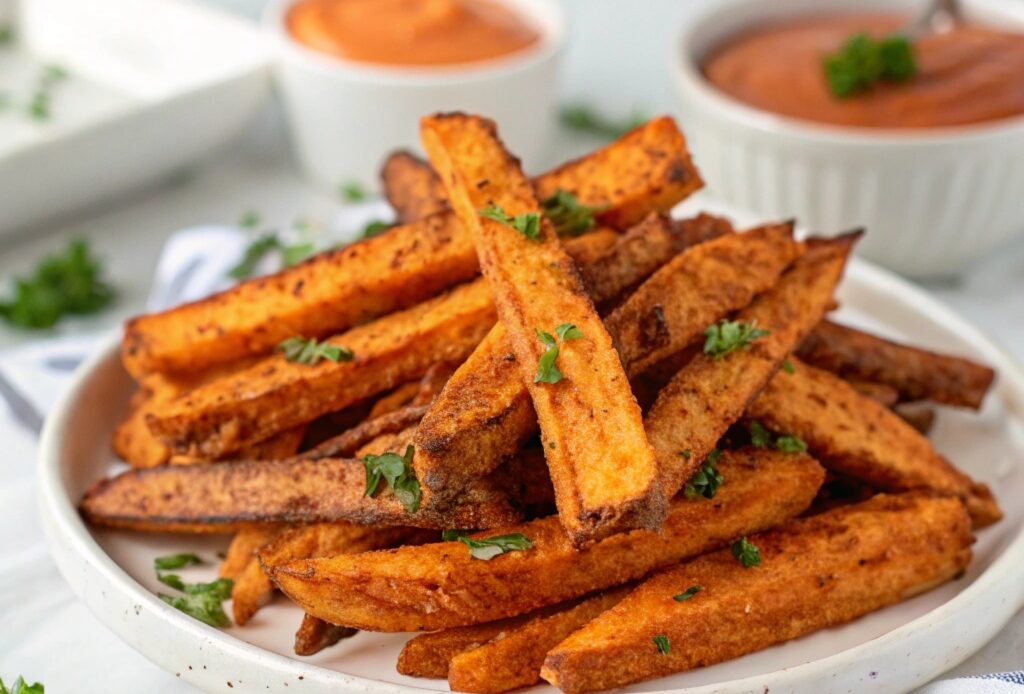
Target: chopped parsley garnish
[[250, 219], [547, 372], [862, 62], [69, 283], [787, 366], [256, 251], [661, 641], [352, 191], [397, 472], [176, 561], [296, 253], [727, 336], [688, 593], [585, 119], [20, 686], [527, 224], [706, 481], [687, 454], [568, 215], [299, 350], [375, 227], [759, 436], [746, 552], [790, 444], [49, 77], [200, 600], [489, 547]]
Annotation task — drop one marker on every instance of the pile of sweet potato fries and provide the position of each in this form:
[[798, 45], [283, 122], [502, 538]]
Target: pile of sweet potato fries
[[575, 440]]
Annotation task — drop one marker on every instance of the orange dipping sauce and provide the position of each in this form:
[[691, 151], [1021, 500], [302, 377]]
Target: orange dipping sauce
[[970, 74], [410, 32]]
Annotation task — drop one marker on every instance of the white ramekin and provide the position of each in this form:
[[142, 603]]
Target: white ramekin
[[931, 200], [345, 116]]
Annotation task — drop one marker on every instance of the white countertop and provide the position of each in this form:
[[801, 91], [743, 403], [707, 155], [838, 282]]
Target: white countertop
[[618, 68]]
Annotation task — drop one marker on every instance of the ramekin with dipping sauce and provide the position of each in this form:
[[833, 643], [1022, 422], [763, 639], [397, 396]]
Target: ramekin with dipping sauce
[[356, 75], [933, 168]]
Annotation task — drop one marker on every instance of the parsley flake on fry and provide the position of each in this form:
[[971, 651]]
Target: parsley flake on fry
[[397, 472], [489, 547], [299, 350], [568, 215], [789, 443], [727, 336], [706, 481], [527, 224], [688, 593], [746, 552], [661, 641], [547, 371]]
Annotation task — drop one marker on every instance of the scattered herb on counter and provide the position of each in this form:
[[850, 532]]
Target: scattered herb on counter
[[527, 224], [49, 77], [68, 283], [397, 472], [746, 553], [352, 191], [728, 336], [20, 686], [176, 561], [375, 227], [489, 547], [706, 481], [568, 215], [862, 62], [299, 350], [787, 366], [250, 219], [688, 593], [661, 641], [547, 371], [585, 119], [256, 251]]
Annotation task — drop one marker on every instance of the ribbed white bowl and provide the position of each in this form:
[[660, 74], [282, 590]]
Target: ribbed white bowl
[[931, 200]]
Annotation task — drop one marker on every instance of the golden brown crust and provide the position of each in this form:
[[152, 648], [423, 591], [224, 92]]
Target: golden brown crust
[[314, 635], [915, 373], [243, 548], [708, 395], [411, 187], [429, 655], [814, 573], [858, 437], [648, 169], [602, 468], [439, 586]]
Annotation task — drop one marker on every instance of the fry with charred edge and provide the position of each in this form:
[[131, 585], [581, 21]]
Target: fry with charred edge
[[916, 373], [485, 414], [814, 573], [411, 187], [602, 467], [513, 659], [854, 435], [220, 497], [710, 393], [273, 394], [439, 586], [647, 170], [314, 635]]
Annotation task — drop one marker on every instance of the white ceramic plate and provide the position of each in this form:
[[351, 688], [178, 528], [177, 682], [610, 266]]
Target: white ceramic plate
[[888, 651]]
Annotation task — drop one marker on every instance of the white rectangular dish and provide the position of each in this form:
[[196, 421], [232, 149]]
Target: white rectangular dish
[[151, 86]]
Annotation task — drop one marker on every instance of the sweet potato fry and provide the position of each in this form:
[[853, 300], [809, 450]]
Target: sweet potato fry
[[243, 548], [647, 170], [814, 573], [251, 591], [399, 397], [439, 586], [347, 443], [314, 635], [429, 655], [602, 467], [916, 373], [711, 392], [221, 497], [485, 412], [133, 442], [411, 187], [854, 435], [244, 407], [884, 395], [513, 659]]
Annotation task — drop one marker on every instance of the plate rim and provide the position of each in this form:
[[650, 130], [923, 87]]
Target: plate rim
[[71, 543]]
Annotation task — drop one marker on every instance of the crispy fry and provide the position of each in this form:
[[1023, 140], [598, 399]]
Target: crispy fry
[[221, 497], [920, 417], [133, 442], [485, 413], [314, 635], [856, 436], [700, 402], [513, 659], [429, 655], [412, 187], [884, 395], [273, 394], [348, 442], [814, 573], [439, 586], [399, 397], [916, 373], [243, 548], [251, 591], [647, 170], [602, 467]]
